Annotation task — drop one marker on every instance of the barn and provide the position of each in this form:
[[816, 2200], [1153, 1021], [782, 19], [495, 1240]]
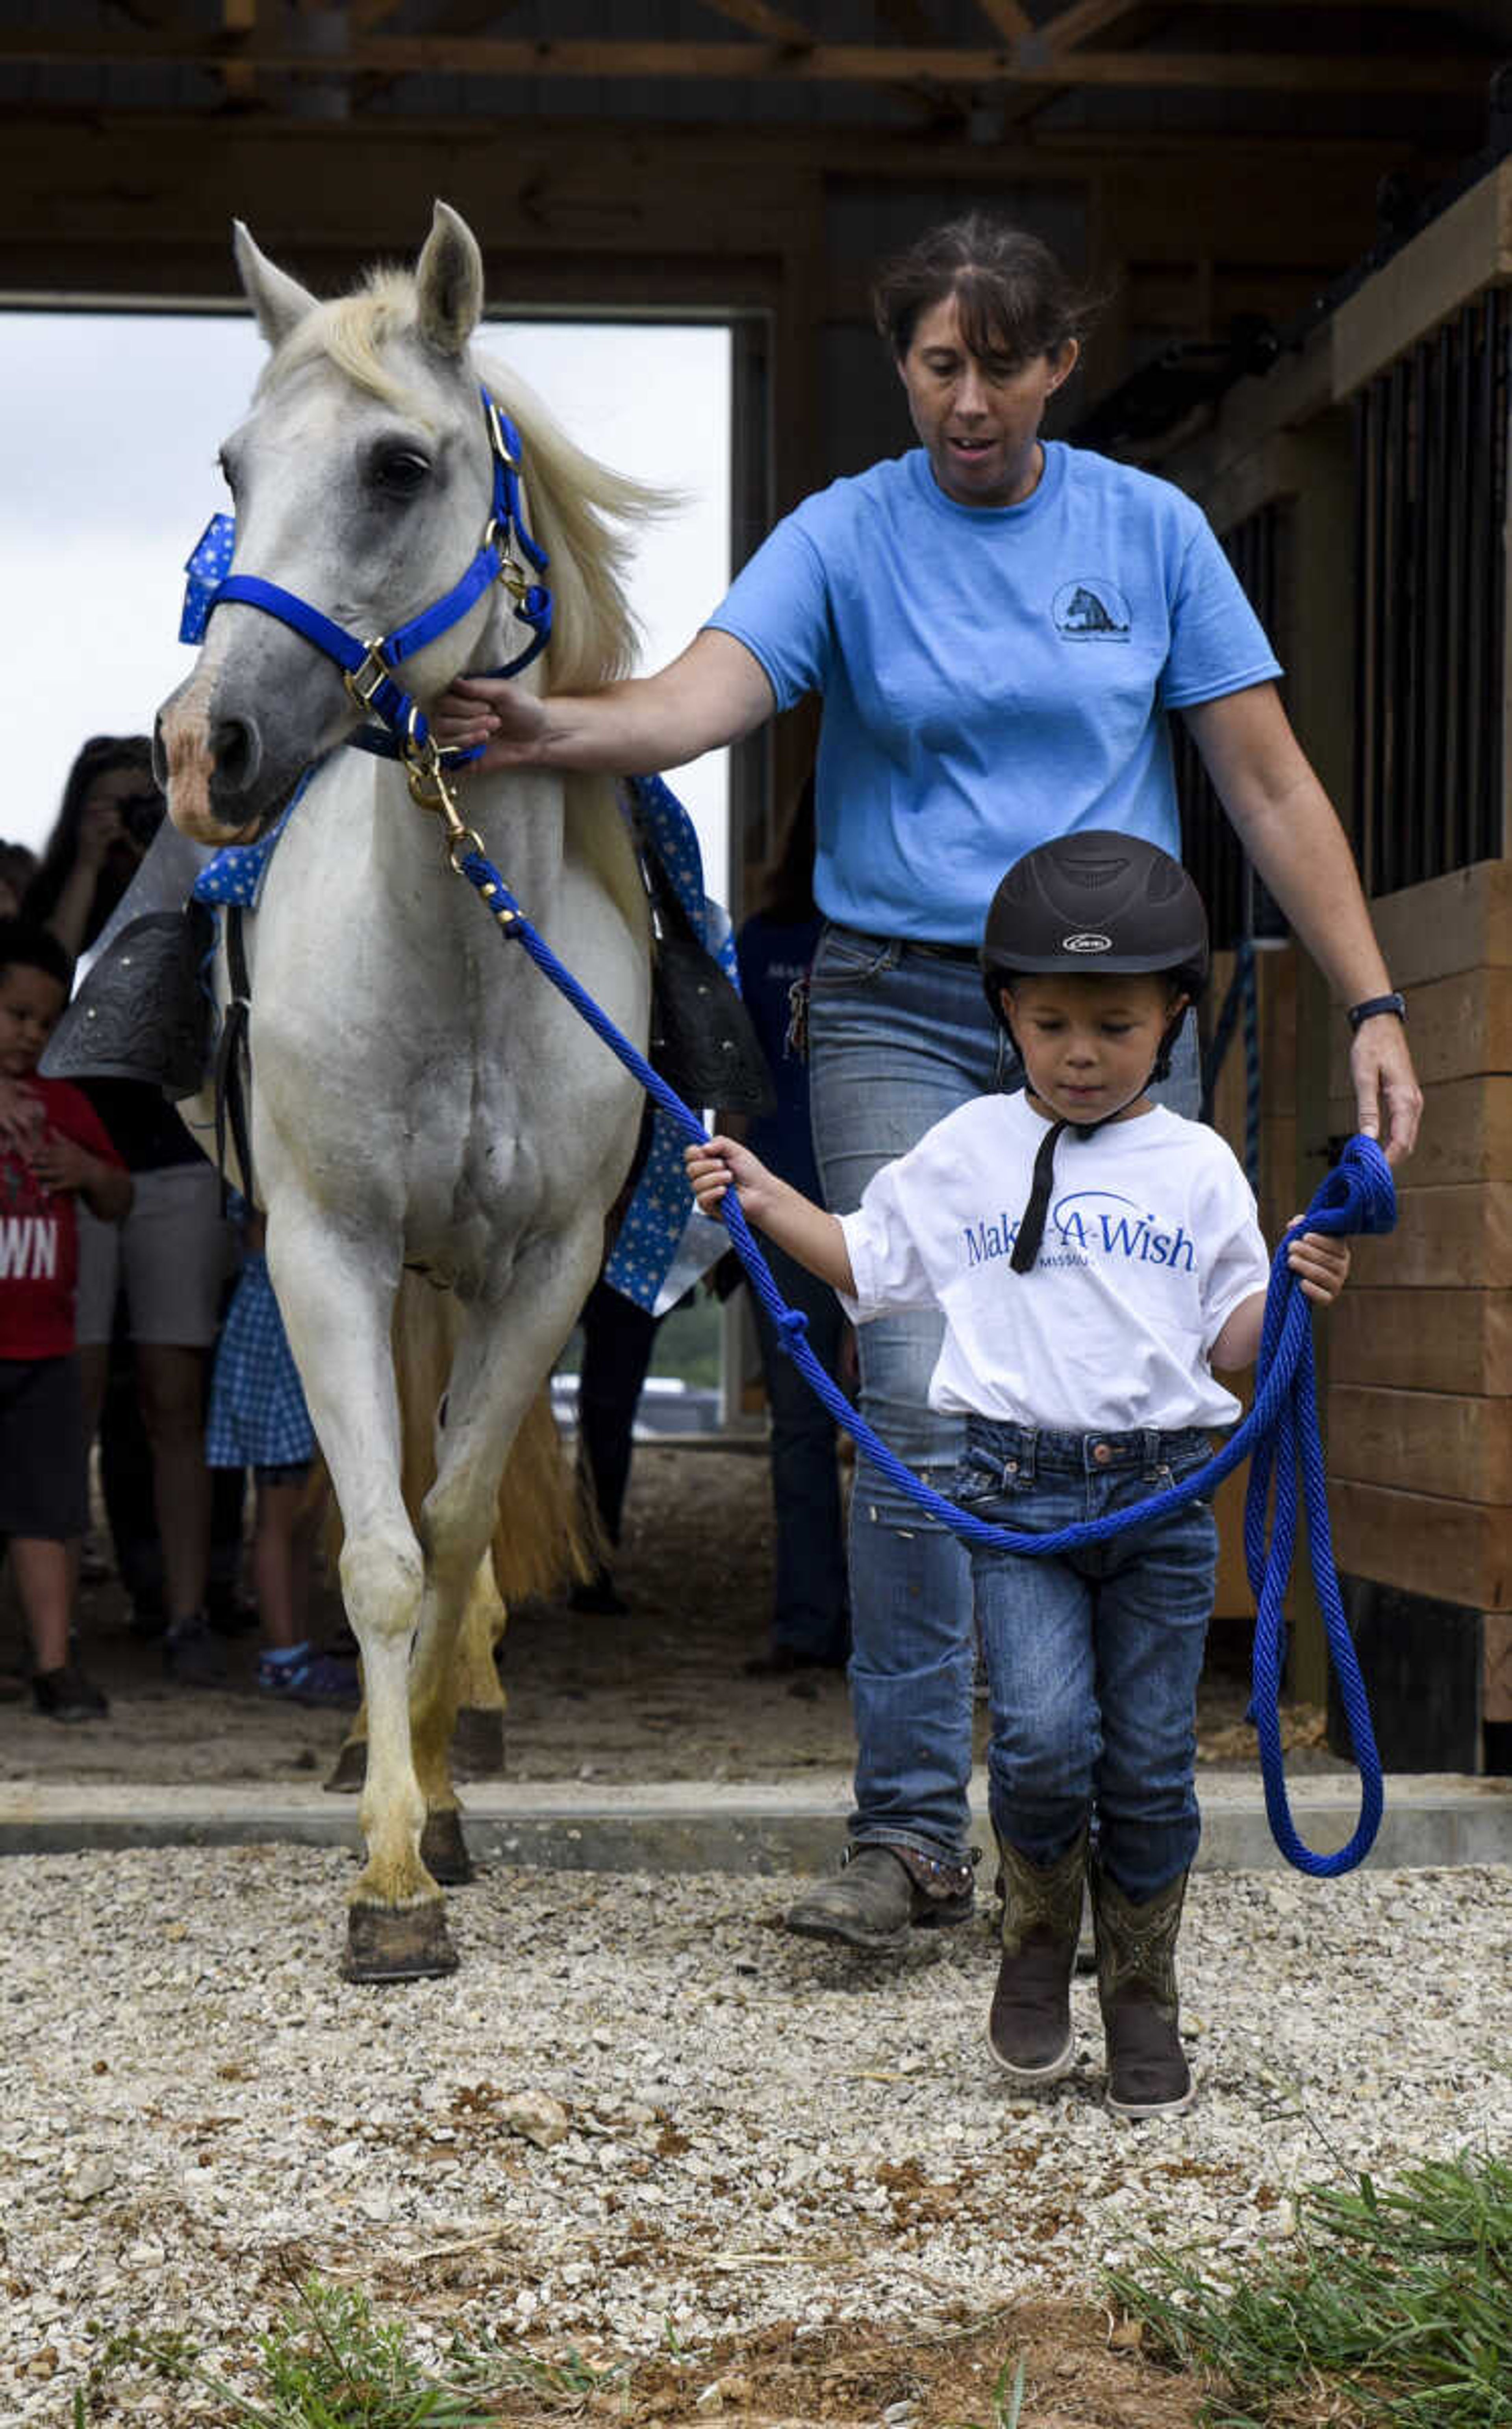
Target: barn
[[1300, 217]]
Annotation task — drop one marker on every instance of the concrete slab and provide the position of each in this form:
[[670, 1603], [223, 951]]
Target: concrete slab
[[710, 1826]]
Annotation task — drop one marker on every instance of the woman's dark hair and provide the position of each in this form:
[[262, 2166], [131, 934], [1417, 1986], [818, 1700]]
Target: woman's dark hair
[[788, 881], [24, 946], [1015, 300], [100, 756]]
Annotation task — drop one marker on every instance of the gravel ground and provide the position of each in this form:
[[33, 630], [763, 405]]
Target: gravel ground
[[754, 2130]]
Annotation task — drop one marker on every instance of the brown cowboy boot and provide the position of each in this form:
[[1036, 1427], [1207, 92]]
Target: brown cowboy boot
[[1146, 2071], [879, 1895], [1029, 2028]]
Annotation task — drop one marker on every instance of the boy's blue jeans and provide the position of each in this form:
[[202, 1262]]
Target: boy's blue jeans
[[1092, 1655], [898, 1038]]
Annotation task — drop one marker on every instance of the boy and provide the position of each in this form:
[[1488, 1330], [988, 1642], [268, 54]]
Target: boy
[[1095, 1257], [51, 1147]]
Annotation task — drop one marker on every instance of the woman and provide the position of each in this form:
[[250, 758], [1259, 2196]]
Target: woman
[[999, 628], [171, 1256]]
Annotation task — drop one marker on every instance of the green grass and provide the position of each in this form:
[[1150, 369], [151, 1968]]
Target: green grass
[[330, 2364], [1395, 2301], [1007, 2401]]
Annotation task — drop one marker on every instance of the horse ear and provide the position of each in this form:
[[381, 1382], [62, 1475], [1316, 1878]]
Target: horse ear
[[279, 302], [449, 282]]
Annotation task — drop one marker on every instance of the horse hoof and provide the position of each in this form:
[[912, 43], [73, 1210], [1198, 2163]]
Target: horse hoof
[[443, 1849], [405, 1943], [350, 1769], [477, 1744]]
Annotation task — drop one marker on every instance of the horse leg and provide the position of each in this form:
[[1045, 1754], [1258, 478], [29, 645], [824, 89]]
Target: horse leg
[[477, 1739], [477, 1736], [506, 1346], [337, 1325]]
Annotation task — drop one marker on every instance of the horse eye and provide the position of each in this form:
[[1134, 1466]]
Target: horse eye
[[400, 472]]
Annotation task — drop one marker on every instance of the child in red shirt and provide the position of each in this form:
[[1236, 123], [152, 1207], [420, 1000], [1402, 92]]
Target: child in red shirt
[[52, 1149]]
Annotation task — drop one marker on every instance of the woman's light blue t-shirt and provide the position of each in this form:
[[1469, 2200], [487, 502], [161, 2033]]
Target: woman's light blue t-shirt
[[992, 676]]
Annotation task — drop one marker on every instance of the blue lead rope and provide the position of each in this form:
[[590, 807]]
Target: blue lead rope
[[1279, 1435]]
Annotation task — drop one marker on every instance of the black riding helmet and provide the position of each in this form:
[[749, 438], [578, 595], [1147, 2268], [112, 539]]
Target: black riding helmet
[[1097, 904], [1104, 903]]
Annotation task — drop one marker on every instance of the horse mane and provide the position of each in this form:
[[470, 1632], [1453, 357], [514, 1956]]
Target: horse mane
[[579, 511]]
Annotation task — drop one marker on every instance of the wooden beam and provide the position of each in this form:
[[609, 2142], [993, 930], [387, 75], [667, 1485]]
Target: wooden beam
[[1006, 18], [1457, 1238], [1423, 1340], [757, 18], [1457, 1446], [451, 17], [1453, 1551], [1073, 25], [239, 78], [836, 63]]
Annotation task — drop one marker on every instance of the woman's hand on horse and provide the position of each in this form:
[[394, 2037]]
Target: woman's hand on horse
[[489, 710]]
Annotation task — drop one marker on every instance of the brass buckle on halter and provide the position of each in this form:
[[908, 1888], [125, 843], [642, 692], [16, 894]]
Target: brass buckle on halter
[[511, 573], [429, 790], [365, 682]]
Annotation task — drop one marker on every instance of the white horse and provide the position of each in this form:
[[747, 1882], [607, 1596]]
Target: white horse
[[424, 1100]]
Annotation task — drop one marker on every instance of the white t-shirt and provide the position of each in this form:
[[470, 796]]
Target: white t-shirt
[[1151, 1242]]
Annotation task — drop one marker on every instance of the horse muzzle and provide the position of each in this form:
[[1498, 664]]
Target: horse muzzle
[[220, 784]]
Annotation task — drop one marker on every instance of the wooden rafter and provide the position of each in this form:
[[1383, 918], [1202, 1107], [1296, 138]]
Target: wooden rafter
[[909, 21], [841, 63], [449, 16], [757, 18], [239, 19], [1006, 18], [1079, 18]]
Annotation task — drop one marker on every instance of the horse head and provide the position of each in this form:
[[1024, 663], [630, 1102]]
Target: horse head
[[362, 480]]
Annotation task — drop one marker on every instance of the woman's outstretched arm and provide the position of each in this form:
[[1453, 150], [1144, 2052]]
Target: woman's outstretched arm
[[713, 694]]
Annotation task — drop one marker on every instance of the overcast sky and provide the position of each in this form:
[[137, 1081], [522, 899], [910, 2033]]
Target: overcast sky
[[111, 422]]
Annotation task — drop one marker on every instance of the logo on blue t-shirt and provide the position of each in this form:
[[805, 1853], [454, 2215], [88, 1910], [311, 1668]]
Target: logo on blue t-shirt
[[1090, 610]]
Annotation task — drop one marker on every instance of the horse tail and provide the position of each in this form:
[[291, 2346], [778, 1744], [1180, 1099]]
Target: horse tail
[[541, 1538]]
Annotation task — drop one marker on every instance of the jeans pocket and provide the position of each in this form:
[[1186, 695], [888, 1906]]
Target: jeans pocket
[[1190, 1463], [845, 958], [972, 1483]]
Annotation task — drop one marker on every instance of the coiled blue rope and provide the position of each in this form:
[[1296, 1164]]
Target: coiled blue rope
[[1279, 1435]]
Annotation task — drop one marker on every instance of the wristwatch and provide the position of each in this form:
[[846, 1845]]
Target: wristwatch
[[1376, 1003]]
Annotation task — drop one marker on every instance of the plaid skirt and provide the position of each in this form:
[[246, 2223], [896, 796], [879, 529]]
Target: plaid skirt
[[257, 1415]]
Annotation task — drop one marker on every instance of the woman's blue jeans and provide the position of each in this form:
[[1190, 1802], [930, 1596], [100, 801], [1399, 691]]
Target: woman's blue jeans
[[1092, 1655], [898, 1037]]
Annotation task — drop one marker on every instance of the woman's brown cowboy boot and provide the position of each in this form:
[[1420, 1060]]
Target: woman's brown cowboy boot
[[1146, 2071], [1029, 2029]]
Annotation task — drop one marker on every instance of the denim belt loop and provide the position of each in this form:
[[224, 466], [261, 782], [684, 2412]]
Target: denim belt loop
[[1153, 1457], [1021, 1466]]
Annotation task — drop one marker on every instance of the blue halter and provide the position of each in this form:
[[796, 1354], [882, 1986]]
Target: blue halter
[[401, 730]]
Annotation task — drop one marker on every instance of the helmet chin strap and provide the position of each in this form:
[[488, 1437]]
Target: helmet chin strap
[[1029, 1237]]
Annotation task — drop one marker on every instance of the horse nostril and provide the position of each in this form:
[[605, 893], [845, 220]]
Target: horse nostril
[[237, 752], [159, 754]]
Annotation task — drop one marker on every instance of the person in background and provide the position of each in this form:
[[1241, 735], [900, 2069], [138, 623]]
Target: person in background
[[618, 1340], [991, 601], [810, 1615], [1097, 1261], [173, 1255], [18, 867], [258, 1420], [62, 1156]]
